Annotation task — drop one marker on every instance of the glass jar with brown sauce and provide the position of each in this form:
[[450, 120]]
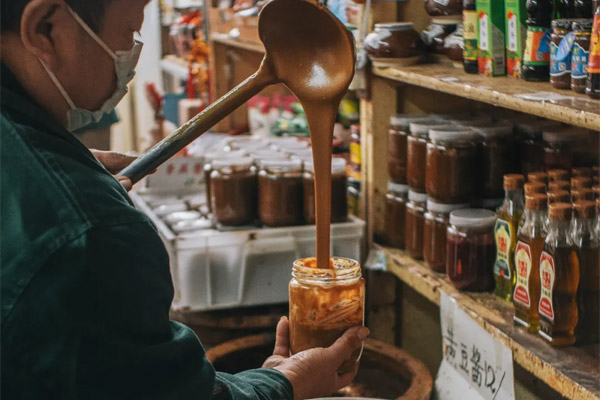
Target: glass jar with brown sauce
[[587, 240], [324, 303], [531, 144], [395, 213], [559, 278], [450, 164], [209, 158], [233, 187], [497, 153], [397, 138], [560, 61], [580, 54], [415, 224], [339, 191], [416, 153], [434, 234], [471, 250], [280, 192], [531, 236]]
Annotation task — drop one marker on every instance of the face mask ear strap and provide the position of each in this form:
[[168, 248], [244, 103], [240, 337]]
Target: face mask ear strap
[[60, 87], [92, 33]]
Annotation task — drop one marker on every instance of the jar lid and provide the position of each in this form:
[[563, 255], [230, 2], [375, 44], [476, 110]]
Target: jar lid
[[558, 174], [537, 202], [397, 188], [277, 140], [582, 171], [582, 25], [582, 194], [262, 154], [395, 26], [559, 196], [473, 218], [215, 155], [554, 186], [537, 177], [452, 134], [513, 181], [584, 209], [233, 162], [287, 146], [338, 165], [300, 152], [564, 24], [404, 120], [417, 197], [281, 165], [444, 208], [495, 130], [532, 188], [579, 182], [422, 128], [560, 211]]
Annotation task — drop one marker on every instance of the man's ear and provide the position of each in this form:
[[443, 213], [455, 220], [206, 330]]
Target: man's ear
[[38, 24]]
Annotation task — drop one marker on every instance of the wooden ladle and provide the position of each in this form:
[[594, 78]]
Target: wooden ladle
[[306, 48]]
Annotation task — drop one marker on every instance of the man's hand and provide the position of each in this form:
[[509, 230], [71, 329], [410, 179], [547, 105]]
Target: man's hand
[[313, 373], [115, 162]]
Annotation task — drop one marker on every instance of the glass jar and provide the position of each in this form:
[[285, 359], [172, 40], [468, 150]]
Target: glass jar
[[497, 155], [560, 61], [415, 224], [395, 213], [580, 54], [399, 130], [280, 192], [416, 152], [208, 167], [433, 35], [470, 249], [531, 144], [558, 148], [392, 40], [324, 303], [450, 173], [339, 192], [434, 233], [233, 188]]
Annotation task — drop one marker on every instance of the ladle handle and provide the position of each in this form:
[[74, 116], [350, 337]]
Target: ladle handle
[[195, 127]]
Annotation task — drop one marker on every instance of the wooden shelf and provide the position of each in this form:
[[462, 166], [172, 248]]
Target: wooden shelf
[[578, 110], [573, 371], [237, 43], [175, 66]]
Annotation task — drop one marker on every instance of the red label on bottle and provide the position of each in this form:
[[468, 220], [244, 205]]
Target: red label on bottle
[[594, 57], [547, 275], [523, 264]]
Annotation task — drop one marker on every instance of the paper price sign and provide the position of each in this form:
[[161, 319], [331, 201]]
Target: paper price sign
[[475, 364]]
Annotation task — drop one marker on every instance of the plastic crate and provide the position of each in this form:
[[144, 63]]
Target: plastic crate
[[213, 269]]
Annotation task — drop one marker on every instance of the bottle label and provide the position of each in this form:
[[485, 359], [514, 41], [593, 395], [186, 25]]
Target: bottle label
[[515, 42], [560, 55], [537, 46], [355, 154], [503, 233], [523, 265], [594, 57], [547, 275], [470, 35], [579, 62]]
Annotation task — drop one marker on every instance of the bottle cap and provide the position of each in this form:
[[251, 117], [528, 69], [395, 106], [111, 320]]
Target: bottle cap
[[422, 128], [473, 217], [397, 188], [559, 185], [280, 165], [233, 162], [536, 201], [582, 194], [404, 120], [580, 182], [532, 188], [558, 175], [582, 171], [560, 211], [444, 208], [451, 134], [513, 181], [560, 196], [584, 209], [417, 197], [537, 177]]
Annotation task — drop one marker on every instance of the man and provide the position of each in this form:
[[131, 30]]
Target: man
[[85, 283]]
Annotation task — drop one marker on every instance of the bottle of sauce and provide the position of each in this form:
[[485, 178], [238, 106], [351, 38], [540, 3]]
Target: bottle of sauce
[[559, 278], [580, 54], [536, 62], [588, 293], [592, 87], [470, 27], [505, 233], [560, 59], [531, 237]]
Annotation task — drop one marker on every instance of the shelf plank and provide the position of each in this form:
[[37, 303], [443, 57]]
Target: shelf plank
[[237, 43], [574, 372], [578, 110], [175, 66]]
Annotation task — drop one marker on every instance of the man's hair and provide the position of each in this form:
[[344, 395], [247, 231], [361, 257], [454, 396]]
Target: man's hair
[[92, 12]]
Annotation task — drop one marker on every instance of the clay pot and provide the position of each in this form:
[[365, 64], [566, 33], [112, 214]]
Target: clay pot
[[397, 40], [385, 371]]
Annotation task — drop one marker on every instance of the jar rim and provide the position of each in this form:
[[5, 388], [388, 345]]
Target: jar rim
[[397, 188], [452, 134], [344, 269], [233, 162], [281, 165], [444, 208], [422, 128], [472, 218]]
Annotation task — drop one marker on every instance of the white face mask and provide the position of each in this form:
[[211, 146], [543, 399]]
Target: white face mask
[[125, 62]]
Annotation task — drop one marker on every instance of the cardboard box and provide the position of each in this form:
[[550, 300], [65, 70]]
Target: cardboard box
[[491, 44], [516, 34]]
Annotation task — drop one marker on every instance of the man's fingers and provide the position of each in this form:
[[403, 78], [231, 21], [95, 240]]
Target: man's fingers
[[346, 379], [282, 338], [112, 161], [350, 341], [125, 181]]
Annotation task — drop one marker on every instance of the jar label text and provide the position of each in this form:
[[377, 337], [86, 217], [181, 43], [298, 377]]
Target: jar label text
[[523, 265]]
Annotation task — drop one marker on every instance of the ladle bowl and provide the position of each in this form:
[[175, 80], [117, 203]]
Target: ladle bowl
[[306, 48]]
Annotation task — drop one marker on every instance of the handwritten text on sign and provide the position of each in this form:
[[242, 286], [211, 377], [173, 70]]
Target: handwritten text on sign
[[474, 361]]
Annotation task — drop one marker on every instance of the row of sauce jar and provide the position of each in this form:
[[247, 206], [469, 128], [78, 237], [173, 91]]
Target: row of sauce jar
[[435, 154], [275, 191]]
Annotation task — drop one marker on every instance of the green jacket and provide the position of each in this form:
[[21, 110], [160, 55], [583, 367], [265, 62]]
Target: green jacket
[[85, 281]]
